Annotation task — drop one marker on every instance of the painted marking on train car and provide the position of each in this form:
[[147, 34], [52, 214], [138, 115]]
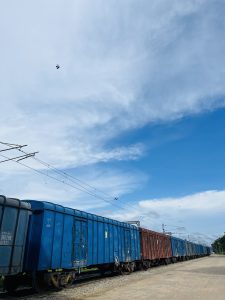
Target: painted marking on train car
[[5, 238], [48, 223]]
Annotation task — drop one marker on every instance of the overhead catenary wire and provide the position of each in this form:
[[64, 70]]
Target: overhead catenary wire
[[18, 158], [16, 147], [80, 182], [72, 178], [12, 147], [82, 186], [63, 182]]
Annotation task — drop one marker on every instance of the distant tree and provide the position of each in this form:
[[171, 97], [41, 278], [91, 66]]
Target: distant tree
[[218, 245]]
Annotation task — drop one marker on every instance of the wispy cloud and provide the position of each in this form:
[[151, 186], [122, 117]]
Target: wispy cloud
[[204, 211], [204, 203], [103, 186], [123, 65]]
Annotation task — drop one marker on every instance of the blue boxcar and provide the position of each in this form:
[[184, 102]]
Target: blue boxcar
[[178, 246], [195, 250], [191, 249], [14, 217], [65, 238], [188, 248]]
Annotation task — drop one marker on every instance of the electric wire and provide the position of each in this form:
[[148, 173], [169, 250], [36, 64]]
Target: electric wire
[[81, 183], [62, 173], [63, 182], [71, 178], [81, 187]]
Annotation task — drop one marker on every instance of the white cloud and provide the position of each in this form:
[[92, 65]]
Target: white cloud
[[203, 203], [204, 211], [91, 189], [123, 65]]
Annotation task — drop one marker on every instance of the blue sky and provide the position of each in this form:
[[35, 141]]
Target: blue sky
[[136, 109], [187, 155]]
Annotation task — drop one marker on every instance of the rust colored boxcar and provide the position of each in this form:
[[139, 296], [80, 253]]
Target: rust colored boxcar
[[155, 246]]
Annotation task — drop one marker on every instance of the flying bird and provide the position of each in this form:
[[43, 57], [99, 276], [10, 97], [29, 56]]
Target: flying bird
[[57, 67]]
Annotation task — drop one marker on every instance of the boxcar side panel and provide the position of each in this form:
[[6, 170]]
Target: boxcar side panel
[[114, 240], [178, 247], [47, 239], [154, 245], [14, 217], [70, 239], [57, 242], [67, 242]]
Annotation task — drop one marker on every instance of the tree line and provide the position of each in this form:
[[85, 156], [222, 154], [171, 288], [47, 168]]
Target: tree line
[[218, 245]]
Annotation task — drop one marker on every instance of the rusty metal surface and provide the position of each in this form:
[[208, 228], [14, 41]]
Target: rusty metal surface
[[154, 245]]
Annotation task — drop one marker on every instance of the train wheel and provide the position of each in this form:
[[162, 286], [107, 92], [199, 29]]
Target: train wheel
[[127, 269], [146, 265], [68, 280], [124, 270], [56, 281], [121, 270], [139, 266], [132, 266]]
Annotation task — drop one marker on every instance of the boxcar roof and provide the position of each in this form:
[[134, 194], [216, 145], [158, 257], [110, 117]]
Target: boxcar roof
[[13, 202], [45, 205], [153, 232]]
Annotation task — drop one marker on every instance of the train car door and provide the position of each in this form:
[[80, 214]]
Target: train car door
[[127, 245], [80, 243]]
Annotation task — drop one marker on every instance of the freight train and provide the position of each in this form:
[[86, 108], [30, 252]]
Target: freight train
[[44, 244]]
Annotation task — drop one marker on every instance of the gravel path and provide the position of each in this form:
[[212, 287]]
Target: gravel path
[[99, 285], [196, 279]]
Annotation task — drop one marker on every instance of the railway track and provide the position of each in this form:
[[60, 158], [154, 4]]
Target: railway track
[[82, 280]]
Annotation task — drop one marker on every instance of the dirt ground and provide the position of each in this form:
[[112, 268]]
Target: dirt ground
[[197, 279], [202, 278]]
